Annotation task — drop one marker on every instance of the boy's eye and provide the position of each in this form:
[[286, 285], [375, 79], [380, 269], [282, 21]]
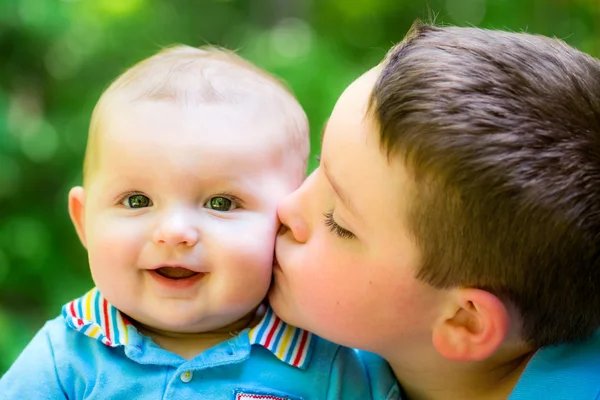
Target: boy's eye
[[220, 203], [137, 201], [335, 228]]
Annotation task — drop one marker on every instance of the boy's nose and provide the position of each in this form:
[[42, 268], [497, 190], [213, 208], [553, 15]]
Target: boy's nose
[[291, 216], [176, 229]]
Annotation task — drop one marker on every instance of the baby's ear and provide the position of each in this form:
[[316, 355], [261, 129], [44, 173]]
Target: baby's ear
[[77, 211], [474, 327]]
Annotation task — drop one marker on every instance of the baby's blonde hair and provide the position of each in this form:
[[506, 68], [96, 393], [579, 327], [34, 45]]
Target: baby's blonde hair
[[191, 77]]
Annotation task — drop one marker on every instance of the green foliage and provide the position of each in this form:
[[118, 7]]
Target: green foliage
[[56, 57]]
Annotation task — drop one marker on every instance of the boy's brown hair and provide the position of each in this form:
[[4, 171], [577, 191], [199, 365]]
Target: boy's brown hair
[[501, 132]]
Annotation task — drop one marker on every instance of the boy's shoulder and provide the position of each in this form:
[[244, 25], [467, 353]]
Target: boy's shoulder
[[567, 371]]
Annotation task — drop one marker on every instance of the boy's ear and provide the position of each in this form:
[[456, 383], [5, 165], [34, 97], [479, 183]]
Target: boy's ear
[[474, 327], [77, 211]]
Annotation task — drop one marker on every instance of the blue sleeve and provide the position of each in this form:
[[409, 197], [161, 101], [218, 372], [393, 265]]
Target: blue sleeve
[[33, 375]]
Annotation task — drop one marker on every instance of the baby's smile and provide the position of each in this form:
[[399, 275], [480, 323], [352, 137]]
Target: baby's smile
[[176, 272], [172, 277]]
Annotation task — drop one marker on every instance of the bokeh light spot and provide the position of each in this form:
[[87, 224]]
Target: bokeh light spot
[[120, 7], [29, 239], [41, 145], [291, 38], [470, 12]]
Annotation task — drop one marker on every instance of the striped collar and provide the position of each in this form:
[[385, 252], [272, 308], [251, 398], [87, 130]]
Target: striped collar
[[94, 316]]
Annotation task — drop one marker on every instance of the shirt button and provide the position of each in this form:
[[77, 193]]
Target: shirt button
[[186, 376]]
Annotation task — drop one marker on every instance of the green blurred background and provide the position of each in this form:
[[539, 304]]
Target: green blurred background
[[56, 57]]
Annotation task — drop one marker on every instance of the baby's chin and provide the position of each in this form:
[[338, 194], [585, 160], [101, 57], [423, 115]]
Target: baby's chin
[[181, 327], [172, 329]]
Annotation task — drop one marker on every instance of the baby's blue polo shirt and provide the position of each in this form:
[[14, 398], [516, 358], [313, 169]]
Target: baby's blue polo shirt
[[93, 352], [567, 372]]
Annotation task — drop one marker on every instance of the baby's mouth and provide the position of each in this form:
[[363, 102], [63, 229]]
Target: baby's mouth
[[175, 272]]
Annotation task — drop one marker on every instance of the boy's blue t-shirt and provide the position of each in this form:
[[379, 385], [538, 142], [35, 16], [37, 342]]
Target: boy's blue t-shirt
[[567, 372], [92, 352]]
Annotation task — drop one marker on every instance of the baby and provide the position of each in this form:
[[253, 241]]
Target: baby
[[189, 153]]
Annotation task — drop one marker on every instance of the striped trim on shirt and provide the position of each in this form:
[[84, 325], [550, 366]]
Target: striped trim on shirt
[[290, 344], [95, 317]]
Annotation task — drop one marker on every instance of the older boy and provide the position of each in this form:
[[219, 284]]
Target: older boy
[[453, 225], [189, 154]]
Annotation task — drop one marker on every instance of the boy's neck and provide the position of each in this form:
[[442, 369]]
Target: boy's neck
[[440, 379], [189, 345]]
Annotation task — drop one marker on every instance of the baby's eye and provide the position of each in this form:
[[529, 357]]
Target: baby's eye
[[137, 201], [220, 203]]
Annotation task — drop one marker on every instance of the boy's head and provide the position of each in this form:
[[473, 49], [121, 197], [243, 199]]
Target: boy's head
[[463, 178], [188, 155]]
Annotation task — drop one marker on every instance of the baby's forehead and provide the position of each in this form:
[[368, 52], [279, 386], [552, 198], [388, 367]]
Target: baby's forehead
[[233, 120], [163, 154], [170, 130]]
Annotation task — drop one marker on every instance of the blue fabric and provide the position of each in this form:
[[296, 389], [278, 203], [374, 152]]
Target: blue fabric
[[61, 363], [566, 372]]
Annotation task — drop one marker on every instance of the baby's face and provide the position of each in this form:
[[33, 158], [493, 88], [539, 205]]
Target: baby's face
[[179, 212]]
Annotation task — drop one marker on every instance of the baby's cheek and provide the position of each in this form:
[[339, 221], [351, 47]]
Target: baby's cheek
[[115, 247], [255, 240], [252, 255], [118, 232]]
